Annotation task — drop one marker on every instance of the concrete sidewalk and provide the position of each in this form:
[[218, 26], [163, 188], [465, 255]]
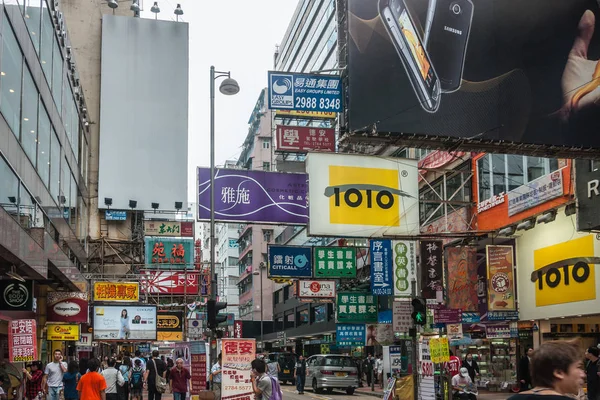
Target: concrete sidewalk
[[378, 392]]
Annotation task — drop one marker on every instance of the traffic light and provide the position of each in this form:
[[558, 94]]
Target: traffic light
[[419, 314], [212, 310]]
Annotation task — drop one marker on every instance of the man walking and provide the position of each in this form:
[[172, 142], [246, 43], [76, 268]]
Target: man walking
[[591, 369], [300, 374], [113, 378], [179, 378], [92, 385], [155, 367], [53, 376], [524, 370], [215, 374], [368, 367]]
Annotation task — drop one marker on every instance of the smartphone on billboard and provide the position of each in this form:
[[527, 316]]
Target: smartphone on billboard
[[414, 57], [448, 26]]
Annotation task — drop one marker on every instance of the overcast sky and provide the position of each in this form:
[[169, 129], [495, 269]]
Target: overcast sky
[[233, 35]]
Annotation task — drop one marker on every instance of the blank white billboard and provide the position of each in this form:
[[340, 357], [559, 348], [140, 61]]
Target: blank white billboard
[[143, 113]]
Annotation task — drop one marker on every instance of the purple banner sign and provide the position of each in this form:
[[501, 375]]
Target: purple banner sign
[[447, 316], [254, 196]]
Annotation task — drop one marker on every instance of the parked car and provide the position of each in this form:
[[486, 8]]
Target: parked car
[[287, 366], [329, 371]]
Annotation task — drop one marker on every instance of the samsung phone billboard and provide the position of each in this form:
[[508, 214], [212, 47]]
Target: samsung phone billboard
[[502, 70]]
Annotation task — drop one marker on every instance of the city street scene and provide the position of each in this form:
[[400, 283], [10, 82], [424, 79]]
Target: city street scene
[[299, 199]]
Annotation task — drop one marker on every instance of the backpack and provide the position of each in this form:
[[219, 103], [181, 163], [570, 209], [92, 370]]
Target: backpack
[[137, 378], [276, 392]]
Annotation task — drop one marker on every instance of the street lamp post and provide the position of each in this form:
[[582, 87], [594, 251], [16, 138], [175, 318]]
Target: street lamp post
[[262, 319], [228, 87]]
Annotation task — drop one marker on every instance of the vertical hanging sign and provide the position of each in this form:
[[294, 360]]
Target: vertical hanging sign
[[381, 268], [405, 267], [431, 268]]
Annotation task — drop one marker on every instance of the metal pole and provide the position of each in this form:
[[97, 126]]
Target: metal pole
[[213, 281], [415, 349], [262, 320]]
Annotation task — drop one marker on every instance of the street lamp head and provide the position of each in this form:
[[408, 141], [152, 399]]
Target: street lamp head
[[178, 10], [155, 8], [229, 87]]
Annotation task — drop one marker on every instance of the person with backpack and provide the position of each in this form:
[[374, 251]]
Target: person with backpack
[[137, 380], [265, 386], [125, 370]]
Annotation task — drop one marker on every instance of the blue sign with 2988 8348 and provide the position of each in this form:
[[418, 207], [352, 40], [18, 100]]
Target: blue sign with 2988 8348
[[290, 262], [305, 92]]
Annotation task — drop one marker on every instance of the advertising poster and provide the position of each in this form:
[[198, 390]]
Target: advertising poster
[[350, 335], [67, 307], [62, 332], [497, 331], [169, 228], [356, 307], [301, 139], [335, 262], [304, 92], [535, 192], [116, 291], [254, 196], [405, 267], [462, 278], [455, 331], [426, 370], [198, 367], [169, 326], [316, 289], [401, 316], [453, 71], [130, 323], [366, 196], [380, 335], [169, 282], [237, 354], [16, 296], [381, 268], [431, 268], [290, 261], [22, 336], [169, 253], [501, 282]]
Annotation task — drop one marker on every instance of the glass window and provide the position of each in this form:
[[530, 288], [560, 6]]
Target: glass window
[[26, 208], [43, 164], [483, 174], [57, 75], [29, 126], [75, 128], [55, 167], [84, 159], [10, 78], [65, 187], [514, 171], [68, 111], [535, 167], [47, 43], [9, 187], [73, 207], [266, 166], [33, 19], [499, 173]]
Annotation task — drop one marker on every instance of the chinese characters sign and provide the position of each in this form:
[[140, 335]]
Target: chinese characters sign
[[169, 253], [401, 316], [287, 261], [289, 91], [198, 366], [169, 228], [447, 316], [356, 307], [462, 278], [237, 355], [22, 340], [169, 326], [304, 138], [501, 283], [431, 268], [335, 262], [405, 267], [254, 196], [536, 192], [116, 291], [381, 268], [60, 332], [169, 282], [350, 334], [498, 331]]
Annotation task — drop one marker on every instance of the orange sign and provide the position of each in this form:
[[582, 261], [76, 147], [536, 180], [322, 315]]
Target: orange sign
[[116, 291]]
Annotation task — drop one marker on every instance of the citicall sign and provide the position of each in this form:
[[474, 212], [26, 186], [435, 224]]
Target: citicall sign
[[353, 195]]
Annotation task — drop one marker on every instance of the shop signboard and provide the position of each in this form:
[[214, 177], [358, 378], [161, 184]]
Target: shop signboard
[[198, 367], [419, 89], [587, 186], [431, 268], [301, 139], [290, 261], [237, 354], [361, 195], [117, 291], [405, 267], [503, 315], [115, 215], [455, 331], [304, 92], [356, 307], [254, 196], [462, 278], [447, 316], [238, 329], [350, 335], [169, 253], [62, 332], [385, 317], [169, 326], [85, 339], [501, 282], [22, 339], [316, 289], [296, 114], [381, 267], [400, 358], [169, 282], [426, 372], [16, 295], [536, 192], [401, 316], [67, 307], [169, 228], [335, 262], [497, 331], [470, 318]]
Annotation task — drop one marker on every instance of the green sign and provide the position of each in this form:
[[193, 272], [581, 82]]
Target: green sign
[[356, 307], [335, 262]]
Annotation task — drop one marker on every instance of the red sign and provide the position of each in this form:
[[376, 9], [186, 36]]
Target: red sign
[[22, 341], [305, 138], [198, 372], [187, 229], [69, 307], [169, 282], [237, 329]]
